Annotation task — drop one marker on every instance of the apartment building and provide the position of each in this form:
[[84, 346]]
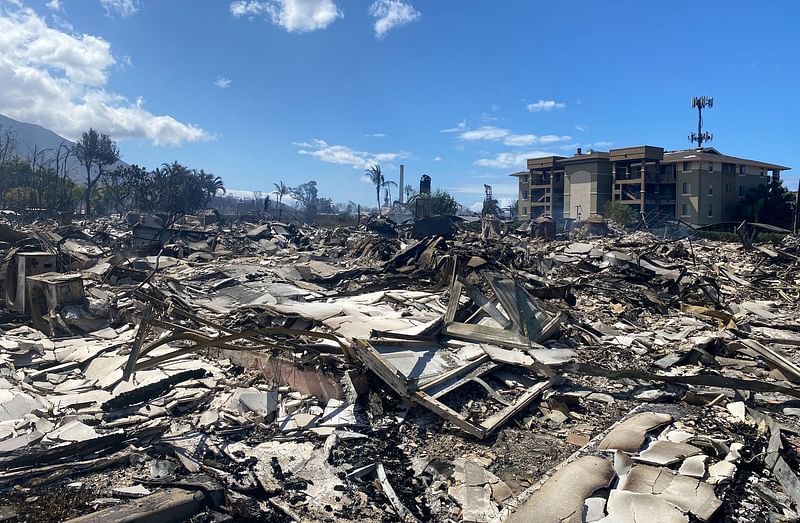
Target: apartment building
[[699, 186]]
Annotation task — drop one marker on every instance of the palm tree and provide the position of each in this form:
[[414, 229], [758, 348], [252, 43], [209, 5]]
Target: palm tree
[[409, 191], [211, 185], [388, 184], [375, 176], [282, 190]]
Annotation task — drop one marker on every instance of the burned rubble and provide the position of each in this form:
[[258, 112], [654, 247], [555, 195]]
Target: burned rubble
[[196, 370]]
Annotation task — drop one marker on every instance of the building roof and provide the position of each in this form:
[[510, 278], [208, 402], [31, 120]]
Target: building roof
[[521, 173], [588, 156], [711, 154], [637, 152], [543, 162]]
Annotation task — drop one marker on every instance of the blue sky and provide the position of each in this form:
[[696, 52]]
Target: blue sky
[[298, 90]]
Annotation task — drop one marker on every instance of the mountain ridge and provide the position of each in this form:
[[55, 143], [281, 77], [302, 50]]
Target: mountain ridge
[[31, 136]]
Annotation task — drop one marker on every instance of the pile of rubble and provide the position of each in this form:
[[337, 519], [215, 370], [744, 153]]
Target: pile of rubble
[[191, 370]]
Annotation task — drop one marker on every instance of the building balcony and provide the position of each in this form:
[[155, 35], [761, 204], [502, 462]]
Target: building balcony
[[660, 178]]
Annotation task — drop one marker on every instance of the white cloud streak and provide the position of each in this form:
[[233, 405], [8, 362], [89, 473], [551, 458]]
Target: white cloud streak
[[391, 14], [344, 155], [493, 134], [296, 16], [57, 80], [121, 8], [222, 82], [55, 5], [545, 105], [487, 132], [462, 126], [511, 160]]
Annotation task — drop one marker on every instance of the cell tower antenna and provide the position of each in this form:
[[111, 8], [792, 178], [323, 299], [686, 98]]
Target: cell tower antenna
[[488, 189], [701, 136]]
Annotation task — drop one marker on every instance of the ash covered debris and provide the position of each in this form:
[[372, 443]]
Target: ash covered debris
[[211, 371]]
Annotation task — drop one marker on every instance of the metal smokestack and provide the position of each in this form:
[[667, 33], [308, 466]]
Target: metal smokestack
[[402, 187]]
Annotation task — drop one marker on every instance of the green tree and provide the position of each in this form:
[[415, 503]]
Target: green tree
[[95, 150], [490, 206], [620, 213], [18, 198], [410, 192], [306, 194], [210, 185], [326, 206], [375, 176], [771, 204], [438, 203]]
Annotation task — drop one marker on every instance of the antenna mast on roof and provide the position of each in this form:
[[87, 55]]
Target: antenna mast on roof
[[700, 137]]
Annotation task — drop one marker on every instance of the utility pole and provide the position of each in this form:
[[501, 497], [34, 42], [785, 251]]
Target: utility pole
[[796, 214], [701, 103]]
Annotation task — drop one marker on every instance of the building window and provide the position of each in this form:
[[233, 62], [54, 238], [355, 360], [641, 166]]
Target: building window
[[685, 211], [711, 167], [728, 209], [525, 195], [687, 167], [763, 173], [525, 178], [741, 169], [687, 188], [711, 190], [741, 190], [524, 210], [727, 187], [710, 211]]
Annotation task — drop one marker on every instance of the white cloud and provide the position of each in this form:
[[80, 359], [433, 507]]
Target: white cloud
[[344, 155], [248, 8], [299, 16], [580, 128], [376, 135], [437, 159], [122, 8], [391, 14], [545, 105], [57, 80], [125, 62], [553, 138], [511, 160], [55, 5], [462, 126], [487, 132], [222, 82], [493, 134], [521, 139]]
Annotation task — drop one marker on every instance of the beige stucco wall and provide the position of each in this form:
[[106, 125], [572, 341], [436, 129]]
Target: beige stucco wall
[[587, 185]]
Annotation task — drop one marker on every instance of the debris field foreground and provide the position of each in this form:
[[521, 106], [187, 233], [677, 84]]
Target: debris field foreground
[[270, 372]]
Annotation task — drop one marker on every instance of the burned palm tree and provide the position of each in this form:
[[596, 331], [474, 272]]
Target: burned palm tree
[[375, 176]]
